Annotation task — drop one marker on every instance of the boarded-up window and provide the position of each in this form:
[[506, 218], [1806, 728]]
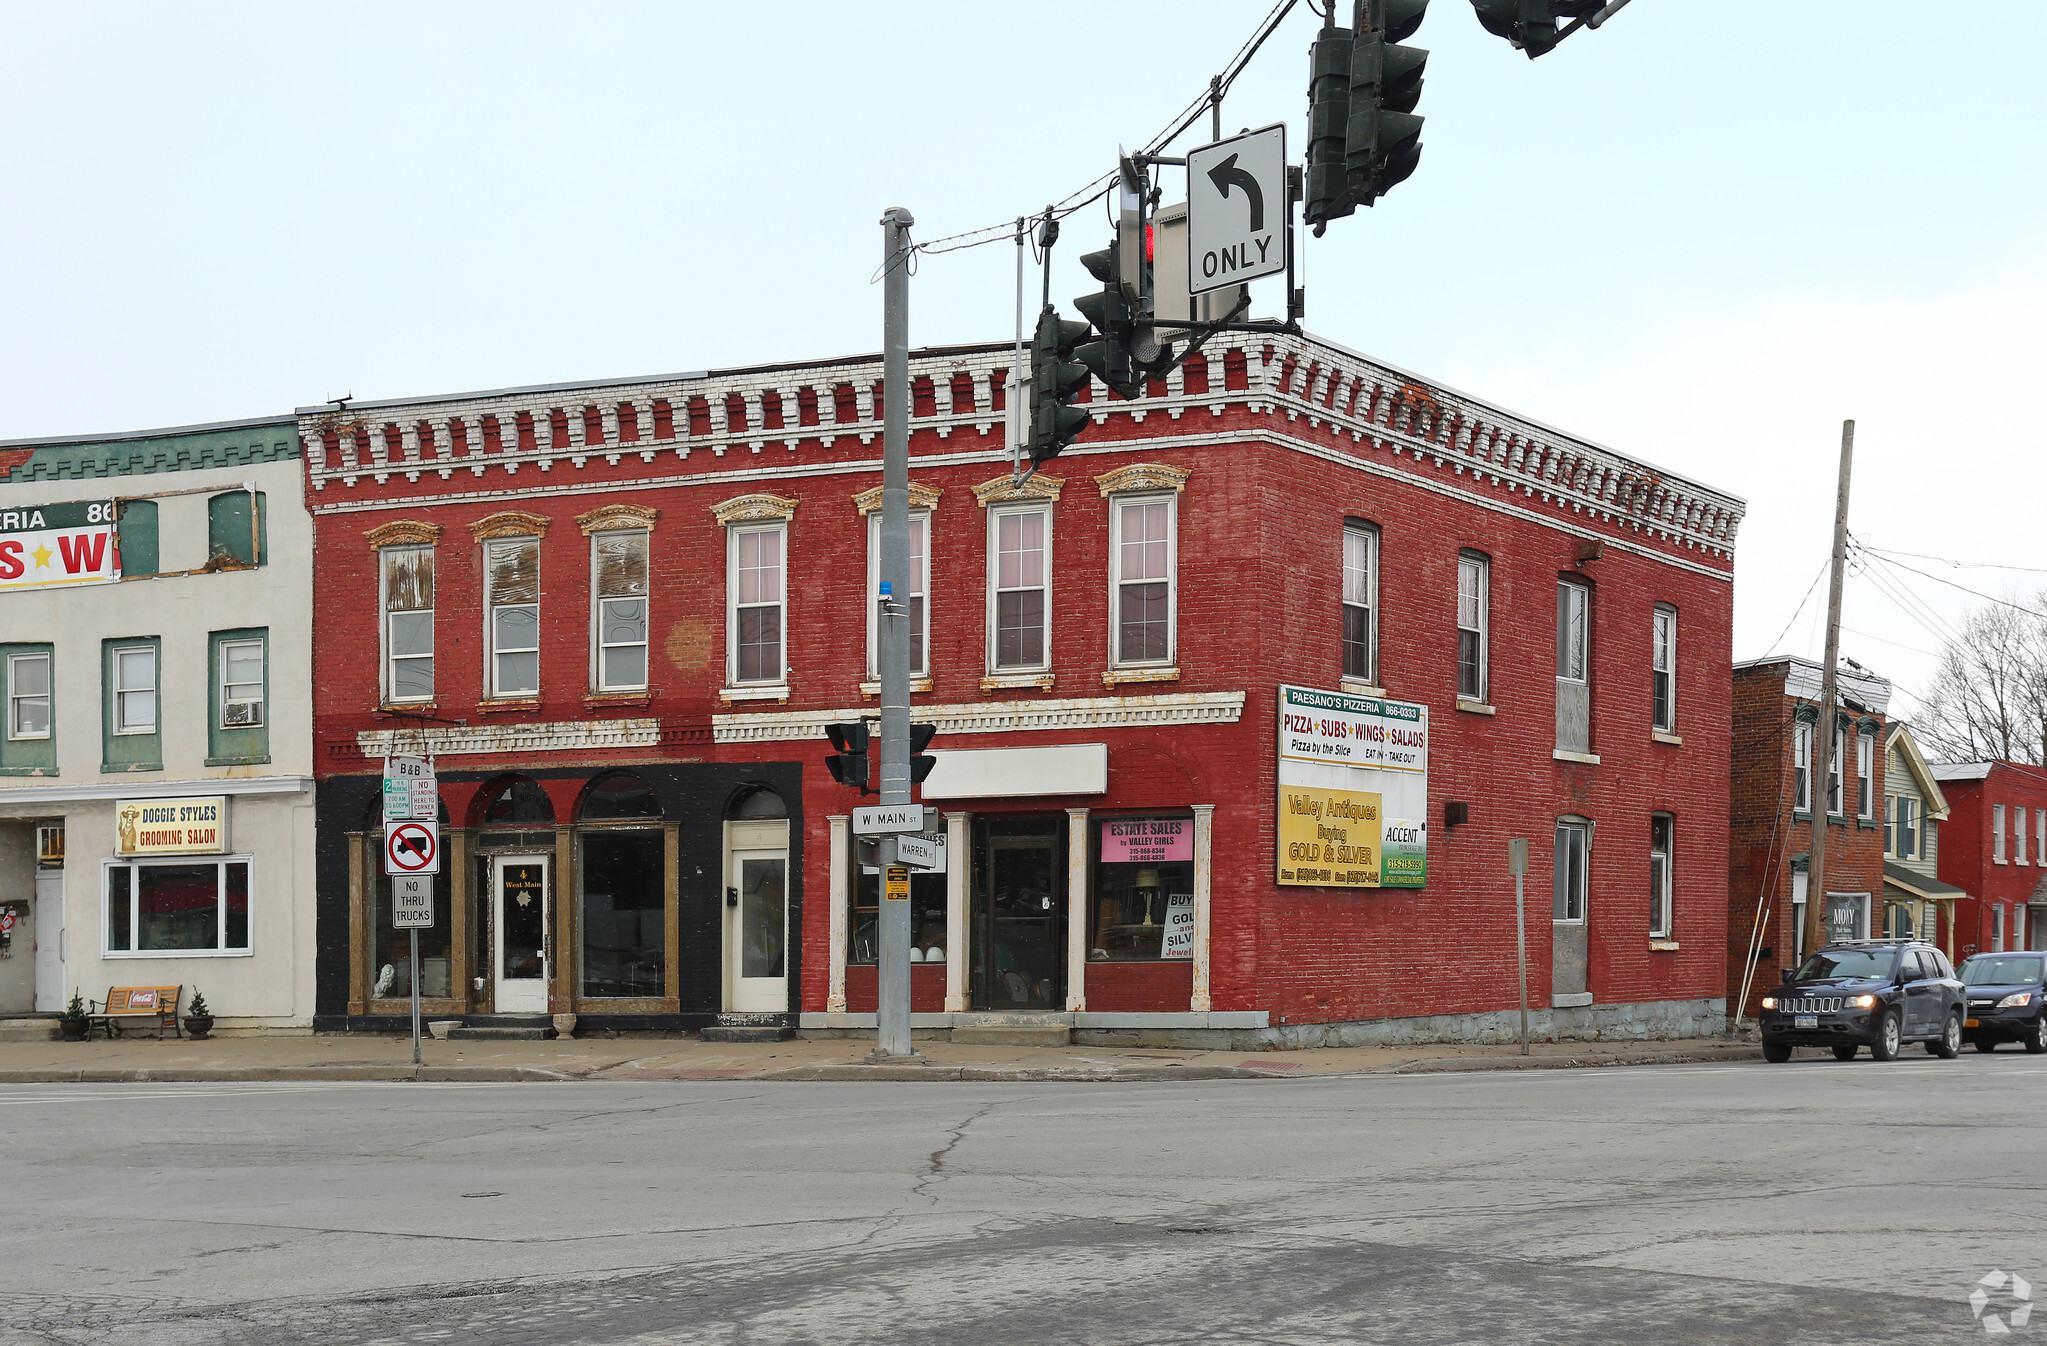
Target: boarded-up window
[[409, 623], [620, 561]]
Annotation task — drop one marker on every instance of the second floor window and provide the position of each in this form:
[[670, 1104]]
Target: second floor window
[[1801, 767], [1997, 833], [1902, 828], [1473, 584], [756, 617], [1663, 669], [1865, 776], [241, 684], [1020, 588], [409, 623], [135, 689], [28, 696], [1360, 602], [512, 580], [1661, 825], [1574, 667], [1143, 548], [618, 563], [1834, 771], [911, 600], [2018, 834]]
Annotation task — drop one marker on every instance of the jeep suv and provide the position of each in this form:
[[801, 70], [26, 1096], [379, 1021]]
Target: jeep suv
[[1874, 993], [2005, 992]]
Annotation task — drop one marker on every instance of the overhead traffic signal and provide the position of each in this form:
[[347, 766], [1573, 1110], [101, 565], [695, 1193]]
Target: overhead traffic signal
[[850, 766], [920, 761], [1382, 143], [1363, 138], [1056, 379], [1531, 25], [1129, 353]]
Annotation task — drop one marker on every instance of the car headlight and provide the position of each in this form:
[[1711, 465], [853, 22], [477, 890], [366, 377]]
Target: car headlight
[[1864, 1002], [1769, 1002], [2019, 1001]]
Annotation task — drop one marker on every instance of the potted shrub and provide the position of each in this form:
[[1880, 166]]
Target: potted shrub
[[198, 1017], [73, 1019]]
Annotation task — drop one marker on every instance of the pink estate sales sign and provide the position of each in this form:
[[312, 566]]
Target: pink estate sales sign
[[1150, 840]]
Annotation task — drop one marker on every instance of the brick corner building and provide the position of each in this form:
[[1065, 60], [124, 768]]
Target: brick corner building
[[620, 616], [1776, 714]]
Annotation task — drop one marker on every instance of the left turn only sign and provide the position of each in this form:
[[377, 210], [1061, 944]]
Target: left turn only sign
[[411, 848]]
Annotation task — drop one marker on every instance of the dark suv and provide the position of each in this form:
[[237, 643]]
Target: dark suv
[[1874, 993], [2005, 991]]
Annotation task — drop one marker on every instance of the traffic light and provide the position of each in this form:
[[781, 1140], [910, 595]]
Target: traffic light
[[1327, 195], [849, 767], [1056, 379], [1382, 143], [1532, 24], [1129, 353], [920, 762], [1108, 358]]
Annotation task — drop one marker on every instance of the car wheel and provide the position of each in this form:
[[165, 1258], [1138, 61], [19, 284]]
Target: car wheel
[[1885, 1048], [1985, 1044], [2036, 1041], [1949, 1044], [1843, 1051], [1776, 1053]]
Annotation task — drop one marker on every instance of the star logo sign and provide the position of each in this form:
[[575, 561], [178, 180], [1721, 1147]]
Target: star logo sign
[[2021, 1292], [42, 553]]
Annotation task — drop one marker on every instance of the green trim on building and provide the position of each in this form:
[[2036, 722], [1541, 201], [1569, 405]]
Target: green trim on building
[[226, 746], [31, 756], [176, 449], [129, 752], [136, 531], [227, 527]]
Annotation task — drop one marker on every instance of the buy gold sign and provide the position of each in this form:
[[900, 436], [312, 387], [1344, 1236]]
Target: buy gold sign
[[1328, 838]]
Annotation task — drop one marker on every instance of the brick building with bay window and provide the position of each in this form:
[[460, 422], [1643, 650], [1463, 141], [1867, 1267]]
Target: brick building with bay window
[[620, 614]]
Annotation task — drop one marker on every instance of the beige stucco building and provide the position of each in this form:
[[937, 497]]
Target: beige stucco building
[[156, 805]]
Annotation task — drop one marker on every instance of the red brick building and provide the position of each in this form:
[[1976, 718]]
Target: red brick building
[[1994, 847], [1776, 716], [620, 615]]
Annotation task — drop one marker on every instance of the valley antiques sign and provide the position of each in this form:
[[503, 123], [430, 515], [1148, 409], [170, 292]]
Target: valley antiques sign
[[1353, 791], [196, 826], [50, 546]]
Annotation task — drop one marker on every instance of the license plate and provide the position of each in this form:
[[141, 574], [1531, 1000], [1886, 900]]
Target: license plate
[[1968, 1023], [1805, 1021]]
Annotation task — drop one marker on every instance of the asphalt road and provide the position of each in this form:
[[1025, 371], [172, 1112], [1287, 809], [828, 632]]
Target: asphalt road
[[1816, 1202]]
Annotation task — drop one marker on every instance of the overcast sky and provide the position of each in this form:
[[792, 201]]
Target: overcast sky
[[1703, 235]]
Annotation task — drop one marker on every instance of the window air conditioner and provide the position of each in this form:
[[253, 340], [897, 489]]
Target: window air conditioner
[[241, 715]]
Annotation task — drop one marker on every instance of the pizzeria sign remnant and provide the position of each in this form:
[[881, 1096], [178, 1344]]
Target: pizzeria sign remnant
[[1353, 791], [52, 546]]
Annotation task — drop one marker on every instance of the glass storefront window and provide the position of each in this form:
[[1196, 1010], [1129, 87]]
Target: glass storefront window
[[391, 962], [927, 915], [624, 920], [196, 906], [1144, 890]]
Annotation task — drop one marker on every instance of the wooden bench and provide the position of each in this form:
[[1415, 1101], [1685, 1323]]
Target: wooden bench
[[142, 1005]]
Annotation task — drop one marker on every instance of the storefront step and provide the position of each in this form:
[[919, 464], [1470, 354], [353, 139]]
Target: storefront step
[[1013, 1030], [747, 1033], [504, 1027], [35, 1028]]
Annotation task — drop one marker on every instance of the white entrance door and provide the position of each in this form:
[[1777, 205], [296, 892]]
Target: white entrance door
[[50, 940], [757, 933], [519, 932]]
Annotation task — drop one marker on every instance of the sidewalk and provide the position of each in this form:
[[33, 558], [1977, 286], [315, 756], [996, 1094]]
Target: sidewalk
[[378, 1057]]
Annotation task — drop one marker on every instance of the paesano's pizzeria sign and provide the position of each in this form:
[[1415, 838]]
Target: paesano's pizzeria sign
[[196, 826], [50, 546], [1353, 791]]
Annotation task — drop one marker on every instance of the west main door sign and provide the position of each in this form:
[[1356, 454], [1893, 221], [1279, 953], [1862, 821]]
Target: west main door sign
[[1237, 212]]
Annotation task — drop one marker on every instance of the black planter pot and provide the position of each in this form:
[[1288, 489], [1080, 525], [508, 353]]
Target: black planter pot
[[74, 1029], [198, 1027]]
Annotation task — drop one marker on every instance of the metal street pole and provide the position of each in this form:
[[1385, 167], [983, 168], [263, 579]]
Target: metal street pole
[[892, 1018], [1823, 735], [415, 996]]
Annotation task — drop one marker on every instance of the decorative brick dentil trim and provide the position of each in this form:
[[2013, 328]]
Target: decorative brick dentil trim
[[1000, 717]]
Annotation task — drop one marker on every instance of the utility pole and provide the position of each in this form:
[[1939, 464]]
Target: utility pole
[[1823, 736], [892, 1017]]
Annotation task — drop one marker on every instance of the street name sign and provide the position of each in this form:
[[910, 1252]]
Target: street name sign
[[882, 819], [411, 789], [412, 902], [1237, 212], [411, 847], [922, 851]]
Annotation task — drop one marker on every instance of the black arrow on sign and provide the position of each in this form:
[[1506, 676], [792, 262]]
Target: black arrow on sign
[[1226, 173]]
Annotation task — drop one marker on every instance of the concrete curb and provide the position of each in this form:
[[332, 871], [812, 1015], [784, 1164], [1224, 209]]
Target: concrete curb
[[1448, 1065], [276, 1074]]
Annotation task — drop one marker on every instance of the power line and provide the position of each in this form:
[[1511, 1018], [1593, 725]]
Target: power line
[[1959, 565], [1772, 647], [1989, 598]]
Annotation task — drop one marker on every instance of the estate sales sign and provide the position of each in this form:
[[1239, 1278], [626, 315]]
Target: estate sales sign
[[49, 546], [1353, 791]]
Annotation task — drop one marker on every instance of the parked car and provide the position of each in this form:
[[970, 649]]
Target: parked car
[[2007, 1000], [1874, 993]]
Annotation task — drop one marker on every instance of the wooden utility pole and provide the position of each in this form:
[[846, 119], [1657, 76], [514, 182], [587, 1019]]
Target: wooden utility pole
[[1823, 736]]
